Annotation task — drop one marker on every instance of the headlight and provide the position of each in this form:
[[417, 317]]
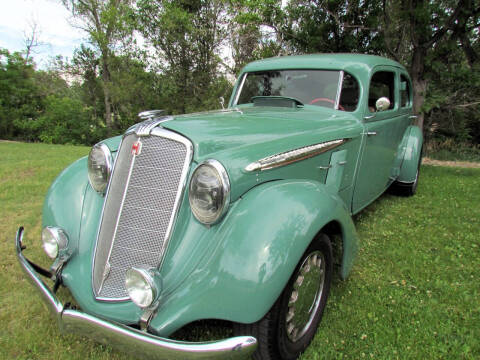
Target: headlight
[[143, 286], [99, 167], [54, 241], [209, 192]]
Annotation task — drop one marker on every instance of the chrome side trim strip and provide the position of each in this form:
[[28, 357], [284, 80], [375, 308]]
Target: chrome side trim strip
[[292, 156], [139, 343]]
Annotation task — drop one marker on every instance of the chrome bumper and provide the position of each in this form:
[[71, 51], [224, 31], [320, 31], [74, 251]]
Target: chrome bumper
[[136, 342]]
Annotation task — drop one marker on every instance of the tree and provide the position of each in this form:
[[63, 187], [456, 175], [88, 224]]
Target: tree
[[187, 36], [414, 29], [19, 100], [109, 24]]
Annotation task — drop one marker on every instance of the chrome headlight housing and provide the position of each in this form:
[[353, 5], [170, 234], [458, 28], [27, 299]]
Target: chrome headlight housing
[[55, 241], [143, 285], [99, 167], [209, 192]]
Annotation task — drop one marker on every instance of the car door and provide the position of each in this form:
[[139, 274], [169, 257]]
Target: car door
[[381, 136]]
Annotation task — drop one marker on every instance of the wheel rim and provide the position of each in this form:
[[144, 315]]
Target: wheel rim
[[305, 297]]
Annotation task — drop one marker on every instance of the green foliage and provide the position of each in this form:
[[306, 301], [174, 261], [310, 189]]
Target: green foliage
[[188, 36], [183, 66], [66, 121], [19, 100]]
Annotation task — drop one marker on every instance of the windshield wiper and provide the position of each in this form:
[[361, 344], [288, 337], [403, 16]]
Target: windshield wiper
[[276, 100]]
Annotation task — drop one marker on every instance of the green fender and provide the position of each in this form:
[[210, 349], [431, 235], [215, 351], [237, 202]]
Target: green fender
[[412, 157], [260, 242], [64, 201]]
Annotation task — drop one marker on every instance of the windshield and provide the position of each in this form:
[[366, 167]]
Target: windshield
[[314, 87]]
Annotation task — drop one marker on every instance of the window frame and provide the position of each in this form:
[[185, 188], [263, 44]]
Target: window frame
[[395, 102]]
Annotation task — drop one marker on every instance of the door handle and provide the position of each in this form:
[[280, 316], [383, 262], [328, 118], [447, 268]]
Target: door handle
[[370, 133], [412, 116]]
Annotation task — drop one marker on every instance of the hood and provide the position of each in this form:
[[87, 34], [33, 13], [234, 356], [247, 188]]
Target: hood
[[269, 128], [237, 137]]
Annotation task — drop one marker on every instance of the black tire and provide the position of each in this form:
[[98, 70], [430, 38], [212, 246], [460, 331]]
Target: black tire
[[276, 339]]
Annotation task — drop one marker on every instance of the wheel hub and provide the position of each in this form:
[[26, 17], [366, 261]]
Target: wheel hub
[[305, 296]]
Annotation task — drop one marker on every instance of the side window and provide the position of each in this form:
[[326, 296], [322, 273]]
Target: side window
[[404, 91], [381, 85], [350, 93]]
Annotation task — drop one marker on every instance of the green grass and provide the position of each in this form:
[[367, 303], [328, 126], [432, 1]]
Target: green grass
[[413, 292]]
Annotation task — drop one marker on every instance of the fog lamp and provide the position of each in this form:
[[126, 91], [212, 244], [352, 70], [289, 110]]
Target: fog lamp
[[143, 285], [54, 240]]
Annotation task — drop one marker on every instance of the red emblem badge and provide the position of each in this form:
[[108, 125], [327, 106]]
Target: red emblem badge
[[136, 148]]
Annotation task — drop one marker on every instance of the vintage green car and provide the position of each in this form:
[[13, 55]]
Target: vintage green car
[[241, 214]]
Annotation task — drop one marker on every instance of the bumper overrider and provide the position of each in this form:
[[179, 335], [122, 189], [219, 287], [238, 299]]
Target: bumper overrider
[[139, 343]]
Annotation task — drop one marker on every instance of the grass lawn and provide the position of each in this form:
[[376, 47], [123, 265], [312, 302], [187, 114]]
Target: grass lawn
[[413, 294]]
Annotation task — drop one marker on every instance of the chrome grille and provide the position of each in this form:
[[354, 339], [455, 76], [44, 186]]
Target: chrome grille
[[140, 208]]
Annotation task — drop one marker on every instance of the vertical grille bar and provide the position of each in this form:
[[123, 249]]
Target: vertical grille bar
[[140, 208]]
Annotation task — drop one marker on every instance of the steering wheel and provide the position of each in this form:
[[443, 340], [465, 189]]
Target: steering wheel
[[330, 101]]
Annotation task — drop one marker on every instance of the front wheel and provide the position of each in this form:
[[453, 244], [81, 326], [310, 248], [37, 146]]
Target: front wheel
[[290, 325]]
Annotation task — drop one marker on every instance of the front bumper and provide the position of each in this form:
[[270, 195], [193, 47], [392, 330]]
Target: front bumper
[[139, 343]]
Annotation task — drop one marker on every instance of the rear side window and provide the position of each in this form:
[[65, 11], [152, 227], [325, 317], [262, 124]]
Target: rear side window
[[404, 91], [381, 85], [350, 93]]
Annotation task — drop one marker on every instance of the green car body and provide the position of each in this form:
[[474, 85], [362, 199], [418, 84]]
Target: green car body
[[237, 268]]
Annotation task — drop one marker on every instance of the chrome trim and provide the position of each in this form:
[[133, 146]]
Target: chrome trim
[[180, 192], [368, 117], [139, 343], [145, 128], [240, 87], [152, 278], [181, 185], [339, 90], [108, 157], [304, 303], [324, 167], [61, 239], [292, 156], [225, 187], [98, 230], [150, 114], [107, 264]]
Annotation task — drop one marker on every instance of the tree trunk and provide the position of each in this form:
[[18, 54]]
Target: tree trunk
[[106, 94], [419, 83]]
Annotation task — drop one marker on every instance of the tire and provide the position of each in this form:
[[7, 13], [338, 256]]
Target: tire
[[290, 325]]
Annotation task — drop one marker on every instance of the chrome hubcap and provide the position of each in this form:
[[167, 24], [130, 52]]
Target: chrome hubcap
[[305, 297]]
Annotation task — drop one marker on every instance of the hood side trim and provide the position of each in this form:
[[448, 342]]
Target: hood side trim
[[291, 156]]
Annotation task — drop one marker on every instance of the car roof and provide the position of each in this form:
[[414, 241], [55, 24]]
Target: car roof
[[347, 62]]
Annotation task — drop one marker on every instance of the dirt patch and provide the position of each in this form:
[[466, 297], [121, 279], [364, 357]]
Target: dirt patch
[[462, 164]]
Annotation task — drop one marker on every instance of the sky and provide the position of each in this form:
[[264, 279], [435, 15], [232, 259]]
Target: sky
[[53, 23]]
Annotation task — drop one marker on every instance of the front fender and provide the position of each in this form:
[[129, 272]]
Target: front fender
[[413, 153], [64, 201], [259, 245]]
